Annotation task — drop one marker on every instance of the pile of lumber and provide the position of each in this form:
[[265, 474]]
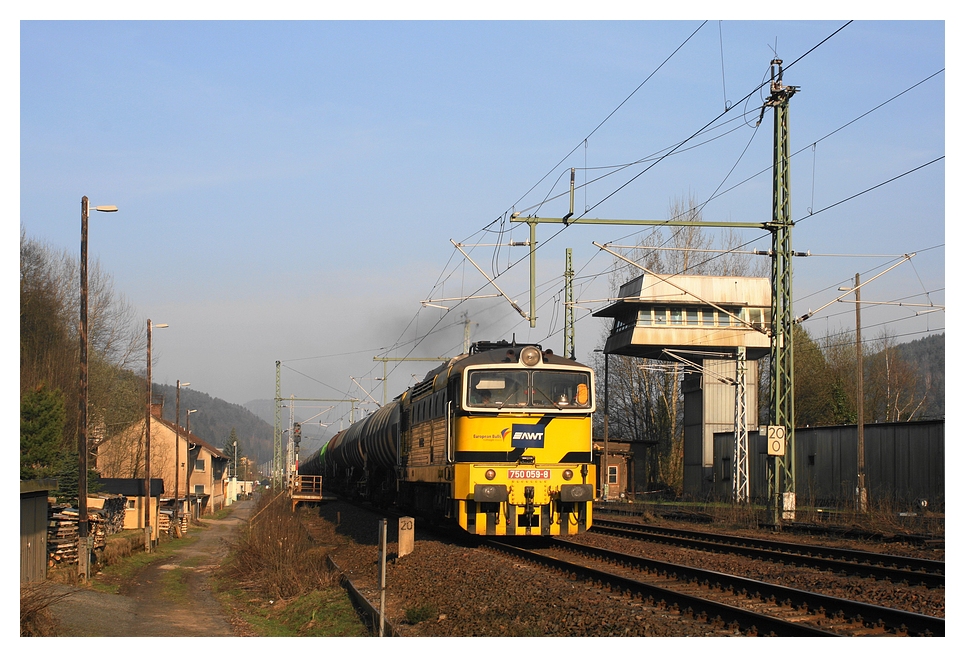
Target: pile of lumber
[[62, 534], [63, 531], [110, 518]]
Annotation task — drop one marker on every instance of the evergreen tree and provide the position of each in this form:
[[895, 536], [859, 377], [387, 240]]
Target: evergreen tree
[[42, 417]]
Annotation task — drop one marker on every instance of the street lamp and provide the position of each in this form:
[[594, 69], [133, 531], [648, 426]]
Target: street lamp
[[187, 430], [83, 539], [148, 534], [177, 450], [187, 419]]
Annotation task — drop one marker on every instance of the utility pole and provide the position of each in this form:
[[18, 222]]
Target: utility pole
[[83, 541], [177, 457], [862, 490], [569, 328]]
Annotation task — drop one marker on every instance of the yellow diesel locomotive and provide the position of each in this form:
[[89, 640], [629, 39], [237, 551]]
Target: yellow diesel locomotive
[[498, 440]]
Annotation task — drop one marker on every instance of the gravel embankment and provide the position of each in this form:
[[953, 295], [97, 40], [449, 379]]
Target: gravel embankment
[[454, 590]]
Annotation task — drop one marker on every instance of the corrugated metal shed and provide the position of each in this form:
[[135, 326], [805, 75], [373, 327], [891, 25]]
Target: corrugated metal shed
[[904, 464]]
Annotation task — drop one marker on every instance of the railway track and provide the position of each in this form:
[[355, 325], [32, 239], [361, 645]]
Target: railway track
[[894, 568], [749, 606], [476, 593]]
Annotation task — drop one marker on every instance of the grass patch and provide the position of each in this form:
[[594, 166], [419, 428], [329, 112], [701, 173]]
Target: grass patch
[[324, 612], [222, 513], [174, 586], [111, 578], [416, 615]]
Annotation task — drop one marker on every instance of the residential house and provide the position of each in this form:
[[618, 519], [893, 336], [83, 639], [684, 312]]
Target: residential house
[[201, 473]]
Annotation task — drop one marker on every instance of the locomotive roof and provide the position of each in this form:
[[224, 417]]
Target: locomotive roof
[[482, 353]]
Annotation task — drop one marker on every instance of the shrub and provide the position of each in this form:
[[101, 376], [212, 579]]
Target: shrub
[[275, 556], [35, 602]]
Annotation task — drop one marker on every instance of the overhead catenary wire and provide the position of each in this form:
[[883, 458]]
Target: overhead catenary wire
[[501, 220], [677, 147]]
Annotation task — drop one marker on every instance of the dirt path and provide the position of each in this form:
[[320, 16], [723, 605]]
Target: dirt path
[[143, 609]]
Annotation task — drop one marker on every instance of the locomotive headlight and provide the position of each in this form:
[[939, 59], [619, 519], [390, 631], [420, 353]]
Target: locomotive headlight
[[567, 474], [529, 356], [490, 474]]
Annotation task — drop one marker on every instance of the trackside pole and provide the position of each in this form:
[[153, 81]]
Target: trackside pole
[[383, 531]]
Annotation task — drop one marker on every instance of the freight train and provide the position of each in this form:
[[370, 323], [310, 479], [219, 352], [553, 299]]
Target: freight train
[[498, 440]]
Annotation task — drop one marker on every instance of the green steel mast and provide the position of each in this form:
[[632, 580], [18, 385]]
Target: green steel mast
[[782, 314]]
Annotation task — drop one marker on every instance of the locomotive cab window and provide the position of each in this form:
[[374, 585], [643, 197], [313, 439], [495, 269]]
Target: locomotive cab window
[[539, 389], [498, 389]]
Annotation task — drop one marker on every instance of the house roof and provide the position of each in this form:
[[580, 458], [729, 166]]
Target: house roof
[[130, 487], [190, 437]]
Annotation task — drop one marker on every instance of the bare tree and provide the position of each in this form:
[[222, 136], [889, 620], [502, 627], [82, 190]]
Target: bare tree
[[892, 383], [49, 336]]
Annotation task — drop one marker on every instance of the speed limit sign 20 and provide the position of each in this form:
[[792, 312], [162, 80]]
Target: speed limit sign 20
[[776, 436]]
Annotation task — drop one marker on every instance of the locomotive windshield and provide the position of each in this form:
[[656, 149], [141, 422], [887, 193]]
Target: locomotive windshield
[[540, 389]]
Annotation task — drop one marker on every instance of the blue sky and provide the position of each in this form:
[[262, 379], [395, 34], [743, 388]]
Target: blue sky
[[288, 190]]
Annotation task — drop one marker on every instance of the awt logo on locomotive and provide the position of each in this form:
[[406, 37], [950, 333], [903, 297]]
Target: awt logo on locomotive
[[528, 435]]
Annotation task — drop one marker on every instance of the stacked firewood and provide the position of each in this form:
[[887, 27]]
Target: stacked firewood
[[62, 534], [110, 518], [63, 531]]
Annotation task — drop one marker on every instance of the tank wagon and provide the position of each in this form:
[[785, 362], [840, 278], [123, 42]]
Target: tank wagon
[[498, 440]]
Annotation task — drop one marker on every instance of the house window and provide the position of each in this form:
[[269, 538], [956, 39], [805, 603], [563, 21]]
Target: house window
[[676, 316], [131, 503], [199, 489], [611, 475], [199, 465], [692, 317]]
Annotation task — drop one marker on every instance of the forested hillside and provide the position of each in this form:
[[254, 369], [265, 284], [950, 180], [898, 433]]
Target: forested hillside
[[216, 418], [928, 357]]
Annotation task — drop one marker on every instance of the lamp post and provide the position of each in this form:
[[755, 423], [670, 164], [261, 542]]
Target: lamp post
[[148, 534], [177, 450], [83, 539], [187, 430], [187, 419], [234, 482]]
